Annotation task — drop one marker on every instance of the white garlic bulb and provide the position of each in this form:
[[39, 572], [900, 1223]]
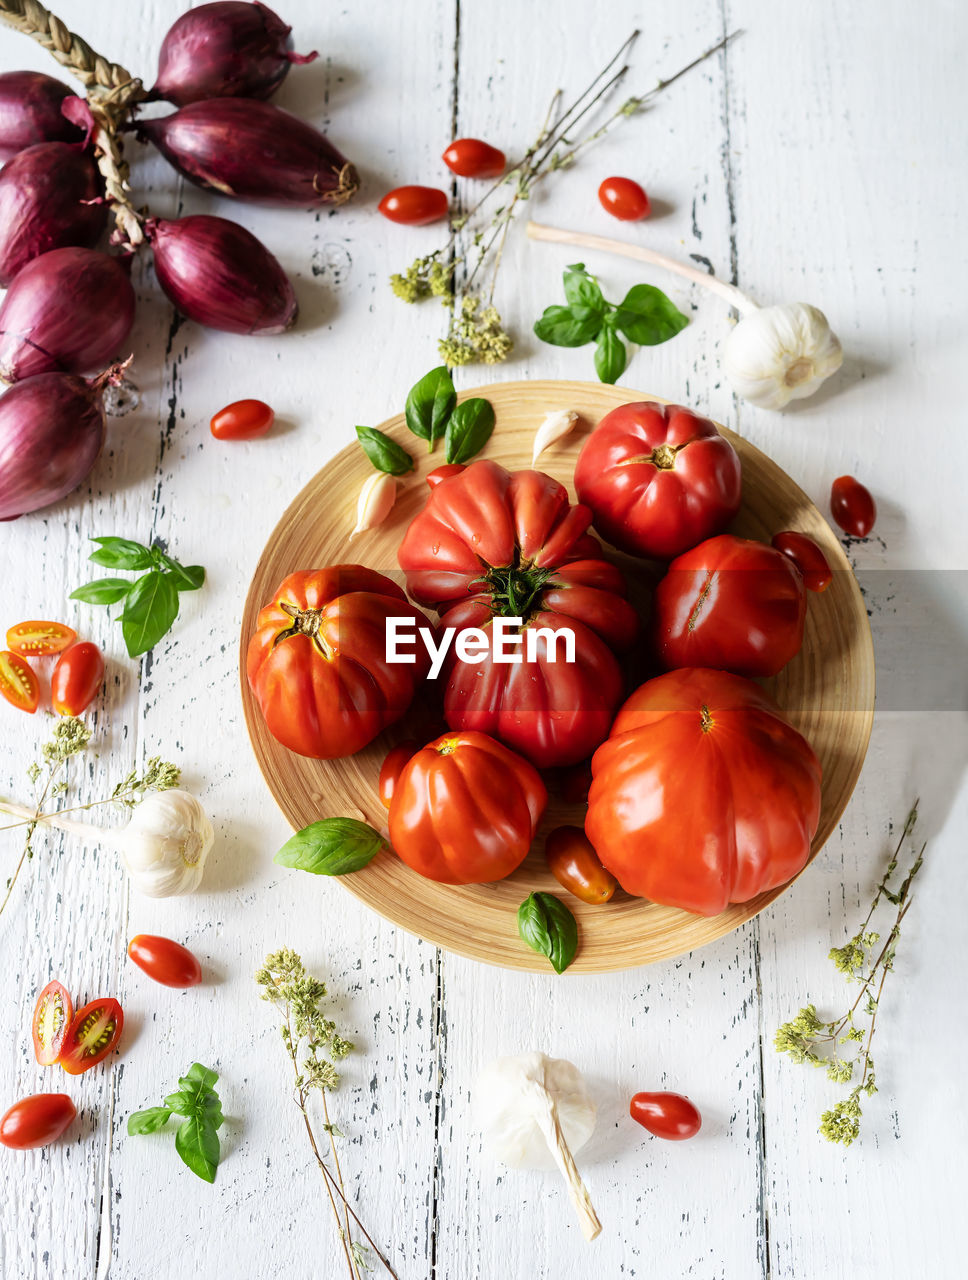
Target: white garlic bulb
[[165, 844], [782, 353]]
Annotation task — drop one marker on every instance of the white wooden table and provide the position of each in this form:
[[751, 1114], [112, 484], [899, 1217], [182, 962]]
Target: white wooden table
[[820, 159]]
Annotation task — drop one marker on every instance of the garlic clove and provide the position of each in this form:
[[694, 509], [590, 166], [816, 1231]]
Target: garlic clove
[[375, 502], [556, 426], [782, 353], [165, 845]]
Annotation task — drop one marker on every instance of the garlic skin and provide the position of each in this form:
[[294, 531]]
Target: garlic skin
[[782, 353], [164, 846], [556, 426], [375, 502]]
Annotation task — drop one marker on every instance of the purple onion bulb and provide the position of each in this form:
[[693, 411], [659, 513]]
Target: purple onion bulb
[[30, 112]]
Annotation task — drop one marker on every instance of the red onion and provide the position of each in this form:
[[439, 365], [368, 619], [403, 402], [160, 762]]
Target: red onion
[[230, 49], [30, 112], [254, 151], [67, 311], [45, 203], [51, 431], [219, 274]]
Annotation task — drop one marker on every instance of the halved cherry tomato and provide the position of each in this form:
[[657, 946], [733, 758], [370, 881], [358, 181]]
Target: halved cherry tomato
[[852, 506], [667, 1115], [575, 865], [38, 638], [392, 767], [807, 556], [166, 961], [414, 206], [36, 1121], [18, 683], [53, 1014], [472, 158], [624, 199], [242, 420], [94, 1032], [76, 679]]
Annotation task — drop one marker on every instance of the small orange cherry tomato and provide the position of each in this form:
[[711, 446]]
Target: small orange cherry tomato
[[807, 556], [575, 865], [35, 639], [624, 199], [473, 158], [414, 206], [166, 961], [667, 1115], [392, 767], [36, 1121], [76, 679], [242, 420], [18, 684]]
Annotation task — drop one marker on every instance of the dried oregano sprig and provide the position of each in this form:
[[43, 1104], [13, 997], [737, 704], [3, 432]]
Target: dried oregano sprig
[[806, 1038], [315, 1046]]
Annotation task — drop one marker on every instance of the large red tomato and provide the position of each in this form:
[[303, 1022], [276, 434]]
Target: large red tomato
[[733, 604], [492, 543], [317, 663], [658, 478], [704, 794], [465, 809]]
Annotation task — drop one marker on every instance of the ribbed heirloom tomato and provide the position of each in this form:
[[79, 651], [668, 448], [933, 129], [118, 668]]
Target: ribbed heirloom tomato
[[490, 544], [658, 479], [465, 809], [317, 664], [704, 793]]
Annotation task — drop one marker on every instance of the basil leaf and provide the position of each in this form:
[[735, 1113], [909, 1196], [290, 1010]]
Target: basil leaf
[[185, 577], [430, 403], [149, 1121], [120, 553], [385, 454], [197, 1143], [149, 610], [469, 429], [647, 317], [199, 1075], [549, 928], [610, 355], [563, 328], [102, 591], [331, 847], [582, 289]]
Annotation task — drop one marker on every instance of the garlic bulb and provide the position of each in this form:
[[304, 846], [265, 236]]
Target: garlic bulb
[[556, 426], [375, 502], [783, 353], [534, 1111], [164, 846]]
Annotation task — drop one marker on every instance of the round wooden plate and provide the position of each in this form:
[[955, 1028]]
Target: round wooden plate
[[827, 691]]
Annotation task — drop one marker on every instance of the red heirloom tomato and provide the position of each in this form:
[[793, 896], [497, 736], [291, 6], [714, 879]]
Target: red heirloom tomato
[[575, 865], [414, 206], [733, 604], [704, 794], [35, 639], [807, 556], [392, 767], [93, 1034], [852, 506], [317, 663], [472, 158], [166, 961], [53, 1014], [36, 1121], [465, 809], [624, 199], [242, 420], [491, 544], [18, 683], [658, 478], [667, 1115], [76, 679]]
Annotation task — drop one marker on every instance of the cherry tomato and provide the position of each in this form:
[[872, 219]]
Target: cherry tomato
[[36, 1121], [852, 506], [53, 1015], [667, 1115], [575, 865], [94, 1032], [392, 767], [18, 683], [414, 206], [807, 556], [573, 783], [166, 961], [39, 638], [444, 472], [472, 158], [77, 678], [242, 420], [624, 199]]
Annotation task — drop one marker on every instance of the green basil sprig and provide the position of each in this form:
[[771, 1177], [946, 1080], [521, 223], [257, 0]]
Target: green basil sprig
[[429, 405], [432, 413], [549, 928], [469, 429], [385, 454], [150, 601], [645, 316], [196, 1139], [331, 847]]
